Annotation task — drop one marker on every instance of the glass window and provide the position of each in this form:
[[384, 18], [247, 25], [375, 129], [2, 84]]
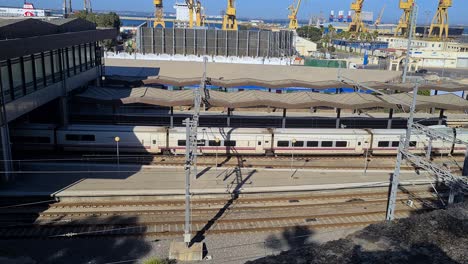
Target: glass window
[[283, 143], [312, 144], [17, 77], [213, 143], [48, 67], [57, 63], [412, 144], [77, 58], [395, 144], [298, 144], [30, 139], [5, 80], [28, 75], [39, 70], [93, 54], [341, 144], [71, 62], [181, 143], [74, 137], [88, 55], [83, 57], [383, 144], [327, 144], [201, 142], [230, 143]]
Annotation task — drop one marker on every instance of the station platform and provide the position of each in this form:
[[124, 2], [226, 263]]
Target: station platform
[[98, 180]]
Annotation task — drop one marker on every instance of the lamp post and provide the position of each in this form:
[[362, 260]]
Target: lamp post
[[216, 159], [117, 140], [292, 153]]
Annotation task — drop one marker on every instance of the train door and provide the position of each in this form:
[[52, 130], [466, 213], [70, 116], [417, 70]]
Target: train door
[[360, 145], [259, 145], [154, 143]]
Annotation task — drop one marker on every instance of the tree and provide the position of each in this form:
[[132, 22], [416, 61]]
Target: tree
[[309, 32], [110, 20]]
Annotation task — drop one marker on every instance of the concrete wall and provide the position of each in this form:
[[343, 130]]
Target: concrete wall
[[215, 42]]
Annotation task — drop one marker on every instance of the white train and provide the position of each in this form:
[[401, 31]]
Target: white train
[[228, 141]]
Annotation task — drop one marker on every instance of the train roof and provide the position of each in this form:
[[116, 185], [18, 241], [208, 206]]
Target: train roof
[[321, 131], [113, 128], [225, 130]]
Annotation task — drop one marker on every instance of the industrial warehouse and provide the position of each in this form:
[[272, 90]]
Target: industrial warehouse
[[193, 137]]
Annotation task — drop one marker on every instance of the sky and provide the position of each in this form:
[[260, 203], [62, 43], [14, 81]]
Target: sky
[[271, 8]]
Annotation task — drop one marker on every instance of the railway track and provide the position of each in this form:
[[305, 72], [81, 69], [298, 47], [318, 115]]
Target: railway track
[[214, 216]]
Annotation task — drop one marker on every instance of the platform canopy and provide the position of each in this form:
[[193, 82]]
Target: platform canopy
[[297, 100], [182, 73]]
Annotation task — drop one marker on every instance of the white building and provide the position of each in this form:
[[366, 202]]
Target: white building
[[431, 53]]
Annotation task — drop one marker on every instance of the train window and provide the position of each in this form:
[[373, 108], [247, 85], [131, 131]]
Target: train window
[[230, 143], [73, 137], [181, 143], [26, 139], [384, 144], [312, 144], [412, 144], [154, 142], [213, 143], [395, 144], [283, 143], [201, 142], [327, 143], [298, 144], [259, 143], [359, 143], [341, 144]]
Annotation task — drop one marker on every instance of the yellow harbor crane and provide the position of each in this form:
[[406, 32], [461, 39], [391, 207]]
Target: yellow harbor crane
[[197, 8], [293, 25], [379, 19], [200, 18], [357, 25], [405, 20], [230, 20], [441, 20], [159, 14], [191, 7]]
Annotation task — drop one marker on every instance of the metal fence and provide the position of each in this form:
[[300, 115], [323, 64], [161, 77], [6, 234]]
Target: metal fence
[[215, 42]]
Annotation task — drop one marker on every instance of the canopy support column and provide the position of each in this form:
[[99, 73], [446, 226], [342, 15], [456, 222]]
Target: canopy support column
[[390, 119], [172, 117], [441, 117], [283, 125], [229, 113], [338, 117]]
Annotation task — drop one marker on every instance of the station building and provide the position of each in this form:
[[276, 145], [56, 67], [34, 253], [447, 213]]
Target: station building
[[45, 61]]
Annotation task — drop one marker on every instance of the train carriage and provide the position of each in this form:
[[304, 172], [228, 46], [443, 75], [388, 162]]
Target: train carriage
[[225, 141], [133, 139], [320, 141], [33, 137], [386, 142]]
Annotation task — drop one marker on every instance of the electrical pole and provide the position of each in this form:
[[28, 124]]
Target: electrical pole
[[403, 146]]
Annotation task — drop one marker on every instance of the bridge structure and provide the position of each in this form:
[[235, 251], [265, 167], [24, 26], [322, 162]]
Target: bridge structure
[[41, 62]]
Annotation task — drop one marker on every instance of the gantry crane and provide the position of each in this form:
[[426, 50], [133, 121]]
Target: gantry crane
[[293, 25], [357, 25], [441, 20], [379, 19], [405, 20], [159, 14], [230, 20], [199, 17], [197, 8]]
